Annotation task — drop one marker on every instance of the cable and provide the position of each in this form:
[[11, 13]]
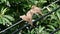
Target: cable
[[51, 4], [55, 31], [20, 28], [36, 20], [10, 26]]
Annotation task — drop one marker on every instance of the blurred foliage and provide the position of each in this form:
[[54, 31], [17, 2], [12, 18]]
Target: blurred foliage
[[5, 19], [10, 11]]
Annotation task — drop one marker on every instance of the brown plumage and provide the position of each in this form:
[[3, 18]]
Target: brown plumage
[[36, 10], [28, 16]]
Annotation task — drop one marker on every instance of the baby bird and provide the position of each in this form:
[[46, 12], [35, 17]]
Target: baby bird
[[29, 14]]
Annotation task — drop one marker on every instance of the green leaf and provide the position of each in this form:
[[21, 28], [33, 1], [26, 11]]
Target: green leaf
[[53, 16], [9, 17], [58, 14], [41, 29], [32, 31], [7, 21], [29, 32], [0, 20], [3, 11], [50, 26], [3, 1], [3, 21]]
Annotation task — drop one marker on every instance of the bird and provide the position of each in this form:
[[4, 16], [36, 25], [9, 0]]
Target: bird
[[30, 13]]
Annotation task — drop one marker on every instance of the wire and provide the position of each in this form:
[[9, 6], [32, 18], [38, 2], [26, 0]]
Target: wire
[[36, 20], [51, 4], [20, 28], [10, 26], [55, 31]]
